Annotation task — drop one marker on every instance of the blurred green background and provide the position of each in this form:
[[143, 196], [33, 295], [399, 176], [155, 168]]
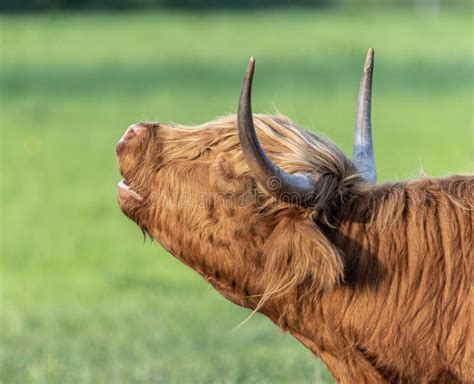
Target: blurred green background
[[84, 299]]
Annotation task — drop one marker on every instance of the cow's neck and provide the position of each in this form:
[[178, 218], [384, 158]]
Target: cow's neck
[[326, 322]]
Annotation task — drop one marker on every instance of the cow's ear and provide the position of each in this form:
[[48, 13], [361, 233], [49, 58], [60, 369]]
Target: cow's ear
[[297, 253]]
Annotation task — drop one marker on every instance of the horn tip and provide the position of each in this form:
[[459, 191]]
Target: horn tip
[[251, 65], [369, 61]]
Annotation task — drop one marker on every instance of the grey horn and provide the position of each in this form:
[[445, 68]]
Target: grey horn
[[363, 150], [277, 182]]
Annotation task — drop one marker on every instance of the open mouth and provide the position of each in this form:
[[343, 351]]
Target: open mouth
[[125, 190]]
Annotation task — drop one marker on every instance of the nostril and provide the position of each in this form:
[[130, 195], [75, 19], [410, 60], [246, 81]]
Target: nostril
[[132, 131]]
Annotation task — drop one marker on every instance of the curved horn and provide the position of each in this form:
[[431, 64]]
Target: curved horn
[[363, 150], [273, 179]]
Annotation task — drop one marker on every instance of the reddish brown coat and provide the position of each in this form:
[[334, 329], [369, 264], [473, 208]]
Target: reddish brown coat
[[377, 281]]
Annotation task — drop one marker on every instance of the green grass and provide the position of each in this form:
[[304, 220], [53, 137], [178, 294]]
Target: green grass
[[83, 297]]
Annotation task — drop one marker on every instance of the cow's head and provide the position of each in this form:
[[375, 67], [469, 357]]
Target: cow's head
[[246, 213]]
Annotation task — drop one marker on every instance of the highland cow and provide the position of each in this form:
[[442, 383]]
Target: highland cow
[[376, 280]]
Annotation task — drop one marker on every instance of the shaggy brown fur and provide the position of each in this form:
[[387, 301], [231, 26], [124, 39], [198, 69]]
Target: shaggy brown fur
[[377, 281]]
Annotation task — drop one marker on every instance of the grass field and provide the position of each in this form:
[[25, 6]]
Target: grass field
[[83, 298]]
